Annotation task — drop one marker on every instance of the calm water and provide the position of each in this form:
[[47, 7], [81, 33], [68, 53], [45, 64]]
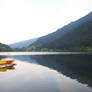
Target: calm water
[[48, 73]]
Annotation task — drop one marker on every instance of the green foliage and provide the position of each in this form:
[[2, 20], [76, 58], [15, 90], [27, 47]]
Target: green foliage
[[89, 49], [78, 39], [4, 48]]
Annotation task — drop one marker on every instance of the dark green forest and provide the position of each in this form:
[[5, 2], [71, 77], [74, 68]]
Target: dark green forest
[[79, 38], [75, 36], [4, 48]]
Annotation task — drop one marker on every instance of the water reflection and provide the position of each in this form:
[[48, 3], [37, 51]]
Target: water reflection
[[77, 67], [4, 69], [6, 65], [47, 74], [74, 66]]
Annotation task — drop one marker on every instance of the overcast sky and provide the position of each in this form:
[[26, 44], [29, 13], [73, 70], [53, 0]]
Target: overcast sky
[[26, 19]]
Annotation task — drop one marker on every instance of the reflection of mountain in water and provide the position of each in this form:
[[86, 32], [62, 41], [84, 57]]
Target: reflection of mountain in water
[[75, 66], [25, 58]]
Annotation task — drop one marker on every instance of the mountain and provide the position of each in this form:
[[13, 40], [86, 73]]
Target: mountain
[[62, 31], [4, 48], [76, 34], [23, 43]]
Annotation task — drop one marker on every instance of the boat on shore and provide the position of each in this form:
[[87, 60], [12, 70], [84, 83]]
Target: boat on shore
[[6, 62]]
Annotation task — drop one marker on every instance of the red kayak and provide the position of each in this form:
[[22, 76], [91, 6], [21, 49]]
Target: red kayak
[[7, 62]]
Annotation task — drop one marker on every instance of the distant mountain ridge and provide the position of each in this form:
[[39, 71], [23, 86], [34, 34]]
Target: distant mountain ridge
[[23, 43], [75, 34], [63, 31]]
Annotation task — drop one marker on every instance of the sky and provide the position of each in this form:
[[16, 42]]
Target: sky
[[28, 19]]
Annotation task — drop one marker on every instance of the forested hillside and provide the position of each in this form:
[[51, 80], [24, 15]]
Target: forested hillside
[[76, 35], [4, 48], [79, 37]]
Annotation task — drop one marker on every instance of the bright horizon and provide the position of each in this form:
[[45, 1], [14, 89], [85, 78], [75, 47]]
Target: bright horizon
[[28, 19]]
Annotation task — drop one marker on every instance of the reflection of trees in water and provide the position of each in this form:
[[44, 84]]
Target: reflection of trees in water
[[75, 66]]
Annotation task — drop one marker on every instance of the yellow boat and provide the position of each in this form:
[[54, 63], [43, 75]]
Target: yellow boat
[[6, 65], [3, 69], [6, 68], [7, 62]]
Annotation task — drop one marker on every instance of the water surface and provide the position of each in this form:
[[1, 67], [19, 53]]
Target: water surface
[[48, 73]]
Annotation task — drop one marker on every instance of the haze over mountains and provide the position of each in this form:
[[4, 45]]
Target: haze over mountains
[[23, 43], [77, 34]]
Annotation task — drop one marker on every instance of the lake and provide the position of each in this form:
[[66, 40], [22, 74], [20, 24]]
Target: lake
[[48, 73]]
